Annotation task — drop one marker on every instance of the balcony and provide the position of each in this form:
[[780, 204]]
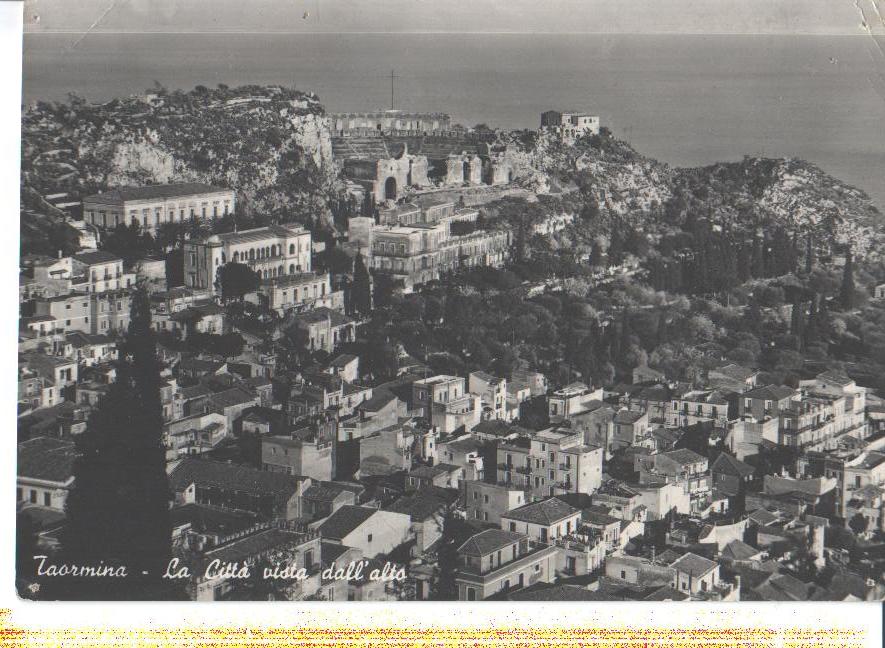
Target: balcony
[[524, 470], [529, 551]]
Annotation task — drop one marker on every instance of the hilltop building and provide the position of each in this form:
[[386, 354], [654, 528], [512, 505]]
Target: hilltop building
[[570, 124]]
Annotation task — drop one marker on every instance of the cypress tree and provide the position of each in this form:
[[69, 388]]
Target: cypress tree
[[823, 319], [743, 264], [809, 254], [625, 330], [361, 289], [846, 292], [661, 334], [758, 265], [616, 247], [811, 333], [118, 508], [797, 319], [753, 316]]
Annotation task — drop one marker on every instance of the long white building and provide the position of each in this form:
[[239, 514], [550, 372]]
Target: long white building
[[151, 206]]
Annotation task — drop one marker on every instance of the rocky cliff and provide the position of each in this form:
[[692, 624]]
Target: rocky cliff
[[754, 192], [271, 144]]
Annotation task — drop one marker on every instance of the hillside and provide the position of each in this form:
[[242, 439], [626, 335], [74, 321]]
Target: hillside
[[270, 143], [755, 192], [273, 146], [788, 192]]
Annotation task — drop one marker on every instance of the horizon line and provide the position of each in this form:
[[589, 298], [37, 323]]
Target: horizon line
[[27, 32]]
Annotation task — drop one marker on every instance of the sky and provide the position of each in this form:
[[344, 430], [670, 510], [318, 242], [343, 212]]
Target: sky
[[847, 17]]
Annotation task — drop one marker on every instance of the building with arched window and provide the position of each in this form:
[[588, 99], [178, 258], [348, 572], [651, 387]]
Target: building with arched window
[[272, 252], [570, 124]]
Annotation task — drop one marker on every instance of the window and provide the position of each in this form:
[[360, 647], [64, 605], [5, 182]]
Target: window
[[513, 526], [471, 594], [623, 575], [19, 494], [33, 496], [485, 498], [47, 499], [369, 538], [485, 516], [537, 568]]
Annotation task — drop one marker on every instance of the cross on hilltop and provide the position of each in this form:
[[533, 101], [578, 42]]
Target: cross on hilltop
[[392, 77]]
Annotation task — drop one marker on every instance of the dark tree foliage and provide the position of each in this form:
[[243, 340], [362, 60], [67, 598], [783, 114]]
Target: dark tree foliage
[[175, 268], [757, 267], [61, 237], [460, 228], [616, 247], [809, 254], [129, 242], [797, 319], [383, 289], [236, 280], [361, 289], [380, 360], [342, 207], [811, 332], [226, 345], [661, 332], [171, 234], [846, 291], [858, 523], [118, 509], [337, 261], [626, 332], [368, 205]]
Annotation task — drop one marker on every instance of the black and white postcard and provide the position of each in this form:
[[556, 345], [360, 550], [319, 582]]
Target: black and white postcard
[[451, 301]]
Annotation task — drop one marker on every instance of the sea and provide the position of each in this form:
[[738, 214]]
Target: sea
[[688, 100]]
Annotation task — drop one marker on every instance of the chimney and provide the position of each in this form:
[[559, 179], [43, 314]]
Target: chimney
[[59, 254], [652, 553]]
